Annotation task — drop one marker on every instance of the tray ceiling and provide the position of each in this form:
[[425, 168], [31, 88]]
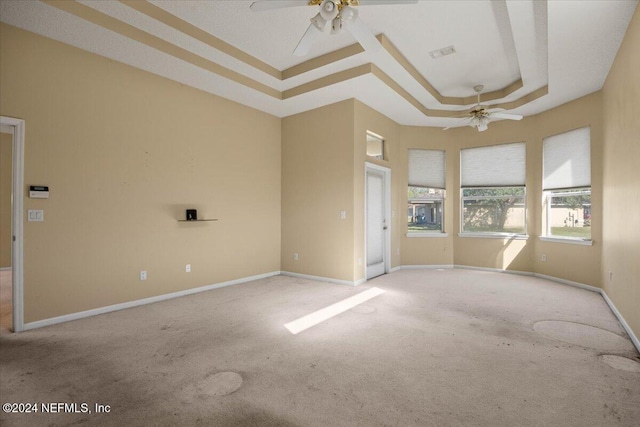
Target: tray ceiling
[[530, 55]]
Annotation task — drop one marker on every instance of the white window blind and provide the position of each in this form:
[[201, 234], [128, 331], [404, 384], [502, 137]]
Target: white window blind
[[494, 166], [567, 160], [426, 168]]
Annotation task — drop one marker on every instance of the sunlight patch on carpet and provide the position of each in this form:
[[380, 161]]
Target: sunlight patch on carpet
[[306, 322]]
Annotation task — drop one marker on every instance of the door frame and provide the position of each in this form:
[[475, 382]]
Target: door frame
[[17, 221], [386, 200]]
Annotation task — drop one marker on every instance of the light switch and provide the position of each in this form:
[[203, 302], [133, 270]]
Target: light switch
[[35, 215]]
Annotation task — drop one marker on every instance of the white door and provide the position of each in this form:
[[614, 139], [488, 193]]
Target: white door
[[376, 223]]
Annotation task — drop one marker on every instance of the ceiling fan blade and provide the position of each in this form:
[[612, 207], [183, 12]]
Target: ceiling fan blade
[[363, 34], [458, 123], [494, 110], [259, 6], [308, 39], [378, 2], [507, 116]]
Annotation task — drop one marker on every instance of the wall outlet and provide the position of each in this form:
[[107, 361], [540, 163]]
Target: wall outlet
[[143, 275], [360, 261], [295, 256], [343, 214], [543, 258], [187, 268], [398, 251]]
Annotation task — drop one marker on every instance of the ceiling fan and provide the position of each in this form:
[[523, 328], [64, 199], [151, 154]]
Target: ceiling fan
[[480, 117], [340, 13]]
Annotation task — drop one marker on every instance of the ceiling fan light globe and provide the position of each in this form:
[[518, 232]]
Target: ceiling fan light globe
[[319, 22], [336, 25], [349, 14], [328, 10]]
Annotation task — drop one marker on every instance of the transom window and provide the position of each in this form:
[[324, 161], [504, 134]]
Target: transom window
[[375, 146]]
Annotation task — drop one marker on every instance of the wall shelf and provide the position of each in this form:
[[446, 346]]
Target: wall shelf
[[197, 220]]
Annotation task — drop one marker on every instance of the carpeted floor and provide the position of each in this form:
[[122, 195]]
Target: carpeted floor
[[437, 348]]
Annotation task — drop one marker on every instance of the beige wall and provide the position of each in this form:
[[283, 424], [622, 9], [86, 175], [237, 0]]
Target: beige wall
[[323, 170], [317, 183], [124, 153], [6, 149], [300, 158], [621, 179], [307, 156]]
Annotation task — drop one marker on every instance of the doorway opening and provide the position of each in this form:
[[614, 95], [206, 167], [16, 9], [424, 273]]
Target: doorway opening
[[6, 235], [11, 224]]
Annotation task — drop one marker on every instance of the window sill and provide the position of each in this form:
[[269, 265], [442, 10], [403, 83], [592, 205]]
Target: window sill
[[505, 236], [437, 234], [567, 240]]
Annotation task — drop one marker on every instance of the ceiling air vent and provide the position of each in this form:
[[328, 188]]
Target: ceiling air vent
[[435, 54]]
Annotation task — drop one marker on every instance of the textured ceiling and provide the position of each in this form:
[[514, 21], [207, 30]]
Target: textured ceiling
[[530, 55]]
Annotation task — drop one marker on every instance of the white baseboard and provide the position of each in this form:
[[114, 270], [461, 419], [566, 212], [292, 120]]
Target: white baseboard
[[625, 325], [495, 270], [462, 267], [322, 279], [424, 267], [5, 268], [569, 282], [144, 301]]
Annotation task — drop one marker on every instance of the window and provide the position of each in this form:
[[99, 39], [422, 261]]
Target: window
[[375, 146], [567, 184], [426, 191], [493, 189]]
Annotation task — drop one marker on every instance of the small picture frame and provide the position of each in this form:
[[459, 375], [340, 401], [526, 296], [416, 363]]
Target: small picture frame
[[192, 215]]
